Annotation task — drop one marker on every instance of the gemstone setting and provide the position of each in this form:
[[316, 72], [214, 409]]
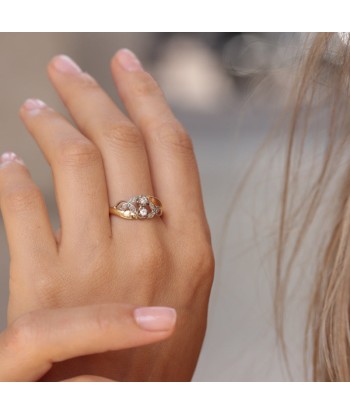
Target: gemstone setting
[[140, 207], [143, 212], [143, 200]]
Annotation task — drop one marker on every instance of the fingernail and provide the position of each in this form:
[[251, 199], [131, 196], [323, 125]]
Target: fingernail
[[155, 318], [65, 64], [9, 157], [129, 61], [34, 104]]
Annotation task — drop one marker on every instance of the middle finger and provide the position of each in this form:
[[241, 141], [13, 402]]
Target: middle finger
[[119, 140]]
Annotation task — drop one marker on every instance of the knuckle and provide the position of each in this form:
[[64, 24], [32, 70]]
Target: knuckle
[[124, 135], [84, 84], [78, 153], [22, 333], [207, 263], [145, 85], [22, 198], [201, 262], [105, 320], [86, 81], [199, 267], [172, 134]]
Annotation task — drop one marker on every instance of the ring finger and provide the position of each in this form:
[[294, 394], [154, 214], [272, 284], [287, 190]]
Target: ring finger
[[78, 173]]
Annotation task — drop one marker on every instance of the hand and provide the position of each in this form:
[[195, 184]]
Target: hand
[[35, 341], [95, 258]]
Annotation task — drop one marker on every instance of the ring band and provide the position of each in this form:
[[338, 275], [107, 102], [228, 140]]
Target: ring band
[[138, 207]]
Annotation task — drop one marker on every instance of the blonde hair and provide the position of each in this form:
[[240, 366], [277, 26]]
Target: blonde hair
[[326, 64]]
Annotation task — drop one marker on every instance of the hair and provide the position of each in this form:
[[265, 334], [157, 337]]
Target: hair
[[324, 67]]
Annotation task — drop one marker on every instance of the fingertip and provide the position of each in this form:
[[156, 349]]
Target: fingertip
[[114, 62], [10, 157], [63, 64], [155, 318], [33, 104], [50, 67], [127, 60], [115, 57], [32, 107]]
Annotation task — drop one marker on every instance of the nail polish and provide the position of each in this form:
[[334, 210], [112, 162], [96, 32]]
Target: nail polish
[[65, 64], [34, 104], [129, 61], [8, 158], [155, 318]]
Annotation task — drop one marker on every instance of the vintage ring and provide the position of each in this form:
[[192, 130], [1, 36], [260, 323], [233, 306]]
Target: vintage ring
[[138, 207]]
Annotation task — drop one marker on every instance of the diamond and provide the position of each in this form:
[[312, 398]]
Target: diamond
[[143, 200], [132, 207], [128, 214], [123, 206], [143, 212]]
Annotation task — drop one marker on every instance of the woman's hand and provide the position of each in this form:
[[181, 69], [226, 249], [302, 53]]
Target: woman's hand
[[95, 258], [35, 341]]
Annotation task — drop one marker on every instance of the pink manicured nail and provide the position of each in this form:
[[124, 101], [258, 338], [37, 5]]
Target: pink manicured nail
[[129, 61], [155, 318], [34, 104], [9, 157], [65, 64]]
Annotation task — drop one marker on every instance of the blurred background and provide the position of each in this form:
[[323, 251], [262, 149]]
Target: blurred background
[[227, 89]]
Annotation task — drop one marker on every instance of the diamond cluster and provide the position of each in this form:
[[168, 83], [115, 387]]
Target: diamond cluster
[[140, 207]]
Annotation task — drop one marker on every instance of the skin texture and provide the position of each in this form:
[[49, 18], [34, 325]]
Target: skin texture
[[97, 258], [37, 340]]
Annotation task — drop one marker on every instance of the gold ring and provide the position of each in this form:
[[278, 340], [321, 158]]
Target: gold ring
[[138, 207]]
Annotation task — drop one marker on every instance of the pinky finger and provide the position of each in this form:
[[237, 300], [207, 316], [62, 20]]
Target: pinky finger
[[28, 228]]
